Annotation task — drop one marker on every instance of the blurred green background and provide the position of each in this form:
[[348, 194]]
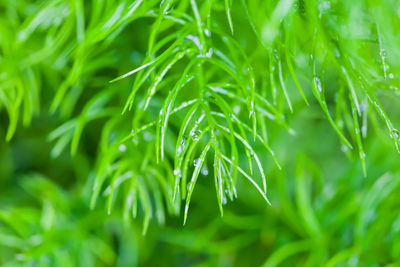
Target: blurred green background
[[61, 124]]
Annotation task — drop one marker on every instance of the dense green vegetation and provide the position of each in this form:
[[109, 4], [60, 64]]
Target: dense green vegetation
[[199, 133]]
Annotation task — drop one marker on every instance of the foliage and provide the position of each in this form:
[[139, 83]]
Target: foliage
[[112, 110]]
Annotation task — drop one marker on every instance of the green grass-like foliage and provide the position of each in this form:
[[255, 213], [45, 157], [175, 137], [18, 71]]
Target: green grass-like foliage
[[142, 101]]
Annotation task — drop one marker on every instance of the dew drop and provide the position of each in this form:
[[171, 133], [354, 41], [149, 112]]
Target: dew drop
[[344, 148], [181, 147], [147, 136], [318, 82], [337, 53], [196, 162], [36, 239], [22, 35], [236, 109], [196, 41], [364, 130], [209, 53], [19, 257], [324, 6], [178, 173], [204, 171], [395, 133], [292, 132], [195, 134], [122, 148], [129, 200], [363, 107]]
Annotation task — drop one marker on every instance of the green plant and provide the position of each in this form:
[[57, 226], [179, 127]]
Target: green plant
[[210, 88]]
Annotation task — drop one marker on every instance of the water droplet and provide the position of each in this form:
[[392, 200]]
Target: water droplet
[[337, 53], [122, 148], [147, 136], [344, 148], [363, 107], [196, 162], [224, 201], [391, 75], [318, 82], [19, 257], [396, 134], [129, 200], [236, 109], [364, 130], [181, 146], [324, 6], [207, 32], [36, 239], [196, 41], [386, 66], [204, 171], [195, 134], [353, 261], [178, 173], [209, 53]]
